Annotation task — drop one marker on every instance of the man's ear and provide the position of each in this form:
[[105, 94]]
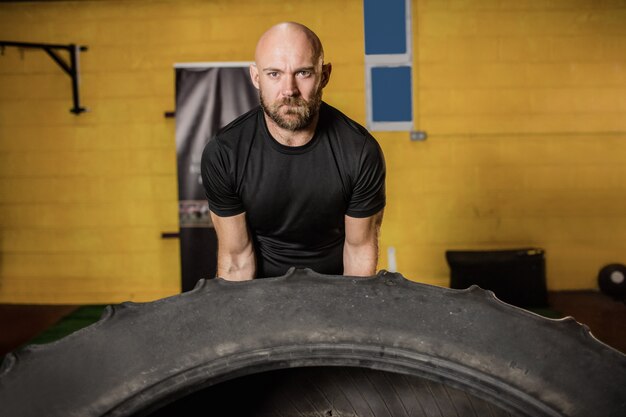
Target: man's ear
[[326, 70], [254, 75]]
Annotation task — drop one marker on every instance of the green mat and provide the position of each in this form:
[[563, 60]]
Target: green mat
[[546, 312], [79, 318]]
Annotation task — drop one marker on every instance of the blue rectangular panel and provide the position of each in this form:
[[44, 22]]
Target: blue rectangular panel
[[385, 26], [391, 94]]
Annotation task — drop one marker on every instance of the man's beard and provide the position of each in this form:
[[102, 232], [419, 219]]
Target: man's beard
[[299, 114]]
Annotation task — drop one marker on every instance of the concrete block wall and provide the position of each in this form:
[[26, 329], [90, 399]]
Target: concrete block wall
[[523, 102]]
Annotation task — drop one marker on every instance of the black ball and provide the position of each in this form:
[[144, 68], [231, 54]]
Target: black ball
[[612, 281]]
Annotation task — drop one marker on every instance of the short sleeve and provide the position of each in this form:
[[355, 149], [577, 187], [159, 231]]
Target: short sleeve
[[368, 193], [218, 181]]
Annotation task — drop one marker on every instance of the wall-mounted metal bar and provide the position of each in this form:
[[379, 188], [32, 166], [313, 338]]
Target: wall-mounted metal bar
[[71, 68]]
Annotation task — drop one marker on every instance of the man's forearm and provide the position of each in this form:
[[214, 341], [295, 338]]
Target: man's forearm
[[360, 261], [360, 249], [239, 267], [236, 260]]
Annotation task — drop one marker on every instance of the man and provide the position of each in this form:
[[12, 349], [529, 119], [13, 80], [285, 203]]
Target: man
[[294, 182]]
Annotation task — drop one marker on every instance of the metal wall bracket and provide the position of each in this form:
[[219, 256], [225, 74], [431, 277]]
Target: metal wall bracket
[[70, 68]]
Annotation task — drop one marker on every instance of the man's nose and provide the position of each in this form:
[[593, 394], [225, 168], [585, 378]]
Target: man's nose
[[289, 87]]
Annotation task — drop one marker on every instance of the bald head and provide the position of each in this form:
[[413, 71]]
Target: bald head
[[288, 37], [290, 73]]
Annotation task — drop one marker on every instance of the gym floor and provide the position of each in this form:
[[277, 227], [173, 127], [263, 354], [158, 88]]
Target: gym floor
[[605, 317]]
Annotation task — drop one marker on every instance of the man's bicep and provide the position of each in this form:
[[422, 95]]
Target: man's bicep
[[218, 184], [368, 189]]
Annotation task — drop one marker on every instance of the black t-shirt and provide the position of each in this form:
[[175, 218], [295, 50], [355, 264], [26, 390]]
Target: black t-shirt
[[295, 198]]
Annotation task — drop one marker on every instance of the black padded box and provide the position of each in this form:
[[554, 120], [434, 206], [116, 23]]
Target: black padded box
[[516, 276]]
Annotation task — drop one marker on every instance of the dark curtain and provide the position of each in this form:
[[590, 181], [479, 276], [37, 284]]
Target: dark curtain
[[207, 98]]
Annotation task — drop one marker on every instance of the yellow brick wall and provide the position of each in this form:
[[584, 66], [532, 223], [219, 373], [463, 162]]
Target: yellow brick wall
[[523, 101], [525, 106], [84, 199]]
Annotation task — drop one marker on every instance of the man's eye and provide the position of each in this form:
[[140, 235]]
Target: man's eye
[[272, 74], [304, 74]]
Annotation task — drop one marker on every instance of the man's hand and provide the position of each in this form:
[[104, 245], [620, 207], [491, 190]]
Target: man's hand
[[235, 253], [360, 250]]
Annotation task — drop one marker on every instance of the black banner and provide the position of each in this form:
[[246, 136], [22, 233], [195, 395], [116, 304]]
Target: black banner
[[208, 96]]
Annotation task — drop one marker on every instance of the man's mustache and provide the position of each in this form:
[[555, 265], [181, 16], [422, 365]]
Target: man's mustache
[[293, 101]]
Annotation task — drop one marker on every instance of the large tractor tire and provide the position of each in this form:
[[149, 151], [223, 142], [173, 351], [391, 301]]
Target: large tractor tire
[[306, 344]]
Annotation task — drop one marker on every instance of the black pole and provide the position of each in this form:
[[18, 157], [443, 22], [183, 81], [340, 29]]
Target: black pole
[[77, 109]]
